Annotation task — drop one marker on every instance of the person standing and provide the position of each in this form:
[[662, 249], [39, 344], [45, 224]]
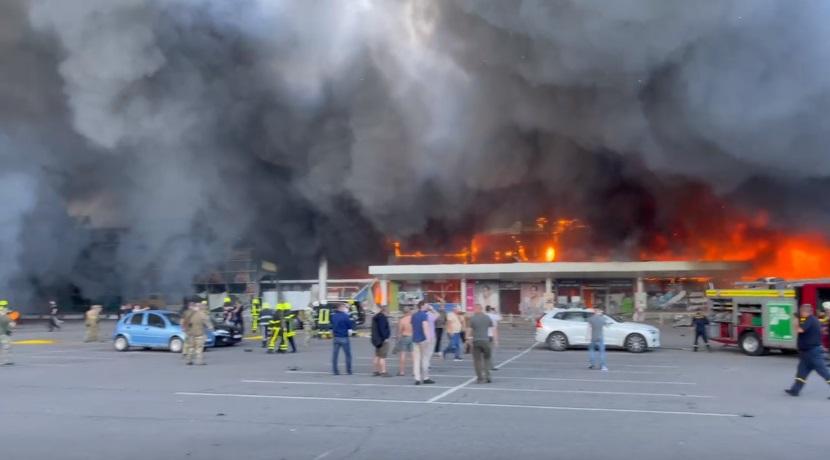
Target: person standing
[[6, 326], [341, 328], [493, 333], [440, 324], [91, 319], [380, 340], [196, 326], [453, 326], [54, 321], [810, 353], [404, 343], [482, 350], [701, 322], [596, 324], [422, 348]]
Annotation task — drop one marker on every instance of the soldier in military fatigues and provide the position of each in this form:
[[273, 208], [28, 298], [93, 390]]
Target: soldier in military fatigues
[[6, 325], [91, 319], [196, 327]]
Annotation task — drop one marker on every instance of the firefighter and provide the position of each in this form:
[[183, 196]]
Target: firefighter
[[287, 327], [255, 306], [809, 350], [265, 318], [323, 320], [701, 322], [274, 329]]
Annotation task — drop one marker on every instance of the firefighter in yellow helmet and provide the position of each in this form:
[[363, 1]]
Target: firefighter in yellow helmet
[[282, 329], [255, 307], [6, 326]]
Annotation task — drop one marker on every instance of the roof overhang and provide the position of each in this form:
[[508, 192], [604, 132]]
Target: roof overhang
[[555, 270]]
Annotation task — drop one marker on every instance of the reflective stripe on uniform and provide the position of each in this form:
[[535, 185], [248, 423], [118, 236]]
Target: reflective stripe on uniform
[[800, 380]]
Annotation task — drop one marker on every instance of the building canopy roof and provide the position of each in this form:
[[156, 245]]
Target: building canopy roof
[[555, 270]]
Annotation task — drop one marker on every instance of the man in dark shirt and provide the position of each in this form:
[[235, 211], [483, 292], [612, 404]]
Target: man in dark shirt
[[700, 322], [341, 327], [422, 351], [380, 340], [809, 351]]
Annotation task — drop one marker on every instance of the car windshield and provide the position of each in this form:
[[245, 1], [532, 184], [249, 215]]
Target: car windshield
[[616, 318], [175, 319]]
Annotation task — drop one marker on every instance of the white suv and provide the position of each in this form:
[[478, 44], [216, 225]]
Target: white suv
[[561, 329]]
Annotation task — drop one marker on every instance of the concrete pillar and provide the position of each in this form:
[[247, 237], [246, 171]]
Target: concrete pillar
[[640, 301], [384, 292], [322, 280], [464, 294], [549, 286]]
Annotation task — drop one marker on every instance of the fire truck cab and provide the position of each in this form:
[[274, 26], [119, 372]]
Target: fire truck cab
[[759, 319]]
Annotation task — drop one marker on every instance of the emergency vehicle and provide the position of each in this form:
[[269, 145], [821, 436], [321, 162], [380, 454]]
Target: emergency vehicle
[[762, 316]]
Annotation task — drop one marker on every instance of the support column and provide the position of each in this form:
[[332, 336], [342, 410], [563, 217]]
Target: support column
[[464, 294], [384, 292], [549, 286], [640, 301], [322, 280], [550, 298]]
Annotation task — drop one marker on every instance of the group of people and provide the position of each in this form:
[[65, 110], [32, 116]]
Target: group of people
[[419, 336]]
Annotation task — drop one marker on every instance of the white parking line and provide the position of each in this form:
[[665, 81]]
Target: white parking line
[[473, 379], [469, 404], [487, 388], [547, 379]]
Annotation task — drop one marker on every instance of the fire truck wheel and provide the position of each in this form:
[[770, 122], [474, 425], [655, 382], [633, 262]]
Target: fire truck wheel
[[558, 341], [635, 343], [750, 344]]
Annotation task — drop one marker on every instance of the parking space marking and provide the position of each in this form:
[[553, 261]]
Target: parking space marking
[[488, 388], [473, 379], [461, 404], [551, 379]]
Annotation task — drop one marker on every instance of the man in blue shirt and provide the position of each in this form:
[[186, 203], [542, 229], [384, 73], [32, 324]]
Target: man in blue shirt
[[422, 351], [810, 356], [341, 327]]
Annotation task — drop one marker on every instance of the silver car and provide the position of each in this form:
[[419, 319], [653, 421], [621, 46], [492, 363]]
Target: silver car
[[561, 329]]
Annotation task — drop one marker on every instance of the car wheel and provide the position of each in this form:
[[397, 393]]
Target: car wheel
[[176, 345], [121, 343], [558, 341], [750, 344], [635, 343]]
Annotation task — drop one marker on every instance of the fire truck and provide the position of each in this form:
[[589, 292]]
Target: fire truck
[[761, 316]]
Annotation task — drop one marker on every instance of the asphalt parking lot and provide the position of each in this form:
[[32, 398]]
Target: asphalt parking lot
[[70, 400]]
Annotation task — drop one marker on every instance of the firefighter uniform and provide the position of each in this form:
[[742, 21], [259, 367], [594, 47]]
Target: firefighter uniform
[[810, 354], [255, 307], [282, 329], [701, 322], [266, 316], [322, 320]]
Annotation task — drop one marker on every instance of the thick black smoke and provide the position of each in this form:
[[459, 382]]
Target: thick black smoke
[[309, 128]]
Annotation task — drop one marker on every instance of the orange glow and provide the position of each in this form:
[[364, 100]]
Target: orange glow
[[550, 254]]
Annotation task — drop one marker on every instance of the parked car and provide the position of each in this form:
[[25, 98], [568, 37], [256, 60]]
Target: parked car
[[161, 329], [561, 329]]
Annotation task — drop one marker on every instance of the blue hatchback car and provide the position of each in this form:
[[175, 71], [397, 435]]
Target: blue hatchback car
[[158, 329]]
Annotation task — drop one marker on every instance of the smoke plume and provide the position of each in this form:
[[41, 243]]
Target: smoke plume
[[309, 128]]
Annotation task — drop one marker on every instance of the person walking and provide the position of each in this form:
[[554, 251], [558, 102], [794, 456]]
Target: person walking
[[422, 346], [596, 324], [403, 346], [91, 319], [6, 326], [480, 323], [462, 316], [701, 322], [196, 326], [54, 321], [380, 340], [453, 326], [810, 353], [341, 327], [440, 324]]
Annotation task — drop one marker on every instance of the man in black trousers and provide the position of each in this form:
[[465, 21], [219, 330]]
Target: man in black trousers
[[810, 353]]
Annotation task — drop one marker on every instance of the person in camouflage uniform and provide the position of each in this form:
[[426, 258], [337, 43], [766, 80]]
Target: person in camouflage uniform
[[6, 325], [91, 323], [196, 326]]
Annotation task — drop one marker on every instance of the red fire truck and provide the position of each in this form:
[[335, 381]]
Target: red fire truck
[[761, 316]]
